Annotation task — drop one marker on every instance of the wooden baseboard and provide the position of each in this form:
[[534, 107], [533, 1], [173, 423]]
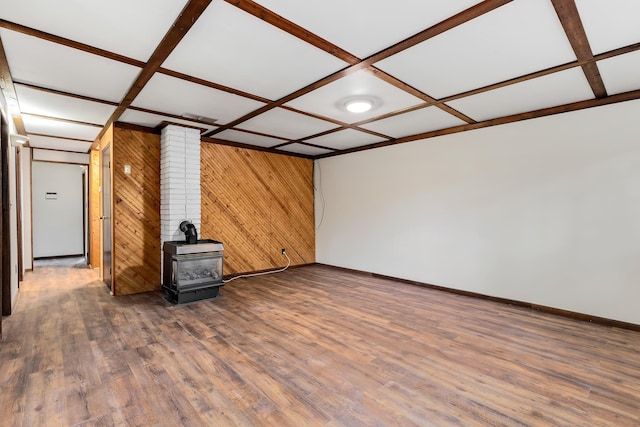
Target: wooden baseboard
[[537, 307]]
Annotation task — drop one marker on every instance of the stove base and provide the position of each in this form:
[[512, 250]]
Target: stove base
[[187, 296]]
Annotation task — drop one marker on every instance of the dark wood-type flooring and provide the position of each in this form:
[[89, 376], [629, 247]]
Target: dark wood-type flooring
[[312, 346]]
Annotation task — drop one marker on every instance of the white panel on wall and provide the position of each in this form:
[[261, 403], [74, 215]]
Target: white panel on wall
[[543, 211], [57, 202]]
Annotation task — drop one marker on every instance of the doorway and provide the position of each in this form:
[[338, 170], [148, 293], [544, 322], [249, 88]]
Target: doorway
[[58, 210], [106, 217]]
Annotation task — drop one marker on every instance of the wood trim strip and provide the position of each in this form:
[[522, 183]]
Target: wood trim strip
[[212, 85], [59, 137], [605, 55], [137, 128], [575, 106], [179, 29], [57, 151], [69, 43], [418, 94], [313, 86], [295, 30], [9, 92], [452, 22], [567, 12], [254, 147], [439, 28], [535, 307], [253, 132], [173, 116], [60, 119], [67, 94]]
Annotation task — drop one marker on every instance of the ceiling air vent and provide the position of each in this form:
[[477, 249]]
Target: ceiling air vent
[[199, 118]]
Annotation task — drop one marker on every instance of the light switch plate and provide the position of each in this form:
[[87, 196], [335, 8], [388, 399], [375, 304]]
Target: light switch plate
[[127, 169]]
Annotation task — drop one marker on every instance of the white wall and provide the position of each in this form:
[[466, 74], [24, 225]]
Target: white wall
[[25, 169], [57, 223], [545, 211]]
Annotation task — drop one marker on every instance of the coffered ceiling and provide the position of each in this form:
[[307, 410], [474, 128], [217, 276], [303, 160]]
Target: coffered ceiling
[[275, 74]]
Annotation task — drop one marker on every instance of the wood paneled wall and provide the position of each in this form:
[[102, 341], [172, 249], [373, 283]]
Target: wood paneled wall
[[136, 211], [254, 202], [257, 203]]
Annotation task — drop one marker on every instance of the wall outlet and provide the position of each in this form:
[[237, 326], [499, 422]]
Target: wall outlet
[[283, 251]]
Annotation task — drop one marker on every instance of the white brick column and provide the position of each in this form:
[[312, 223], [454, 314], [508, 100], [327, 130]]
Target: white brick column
[[179, 180]]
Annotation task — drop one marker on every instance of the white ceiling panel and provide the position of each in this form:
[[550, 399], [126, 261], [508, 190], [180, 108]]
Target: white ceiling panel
[[621, 73], [248, 138], [142, 118], [344, 139], [37, 141], [329, 100], [175, 96], [513, 40], [361, 29], [67, 69], [610, 24], [235, 49], [116, 26], [64, 107], [415, 122], [304, 149], [554, 89], [59, 128], [286, 124]]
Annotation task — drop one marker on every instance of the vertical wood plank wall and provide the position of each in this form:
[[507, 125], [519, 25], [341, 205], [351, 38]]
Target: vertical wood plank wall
[[257, 203], [136, 211]]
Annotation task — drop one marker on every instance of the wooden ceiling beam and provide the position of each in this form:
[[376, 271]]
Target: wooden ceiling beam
[[356, 64], [60, 137], [62, 120], [567, 12], [69, 43], [446, 25], [179, 29], [295, 30], [575, 106], [67, 94], [9, 92], [418, 94]]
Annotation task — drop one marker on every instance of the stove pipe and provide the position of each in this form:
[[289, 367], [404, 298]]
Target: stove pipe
[[190, 232]]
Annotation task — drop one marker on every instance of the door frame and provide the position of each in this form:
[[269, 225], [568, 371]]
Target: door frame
[[106, 181]]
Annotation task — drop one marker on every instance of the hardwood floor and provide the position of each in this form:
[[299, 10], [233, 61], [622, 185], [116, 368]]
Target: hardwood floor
[[313, 346]]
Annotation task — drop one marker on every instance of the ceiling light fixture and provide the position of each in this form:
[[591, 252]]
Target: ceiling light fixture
[[359, 105]]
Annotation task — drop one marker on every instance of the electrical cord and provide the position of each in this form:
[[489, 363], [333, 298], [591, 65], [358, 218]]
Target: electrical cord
[[280, 270]]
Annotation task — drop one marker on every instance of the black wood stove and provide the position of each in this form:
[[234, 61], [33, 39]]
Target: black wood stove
[[192, 270]]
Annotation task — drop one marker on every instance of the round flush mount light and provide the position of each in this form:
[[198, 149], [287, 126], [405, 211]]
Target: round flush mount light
[[359, 105]]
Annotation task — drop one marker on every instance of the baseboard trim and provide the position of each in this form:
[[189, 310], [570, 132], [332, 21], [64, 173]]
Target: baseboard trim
[[43, 258], [536, 307]]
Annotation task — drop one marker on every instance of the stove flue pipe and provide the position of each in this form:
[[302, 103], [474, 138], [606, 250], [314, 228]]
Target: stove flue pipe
[[190, 232]]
